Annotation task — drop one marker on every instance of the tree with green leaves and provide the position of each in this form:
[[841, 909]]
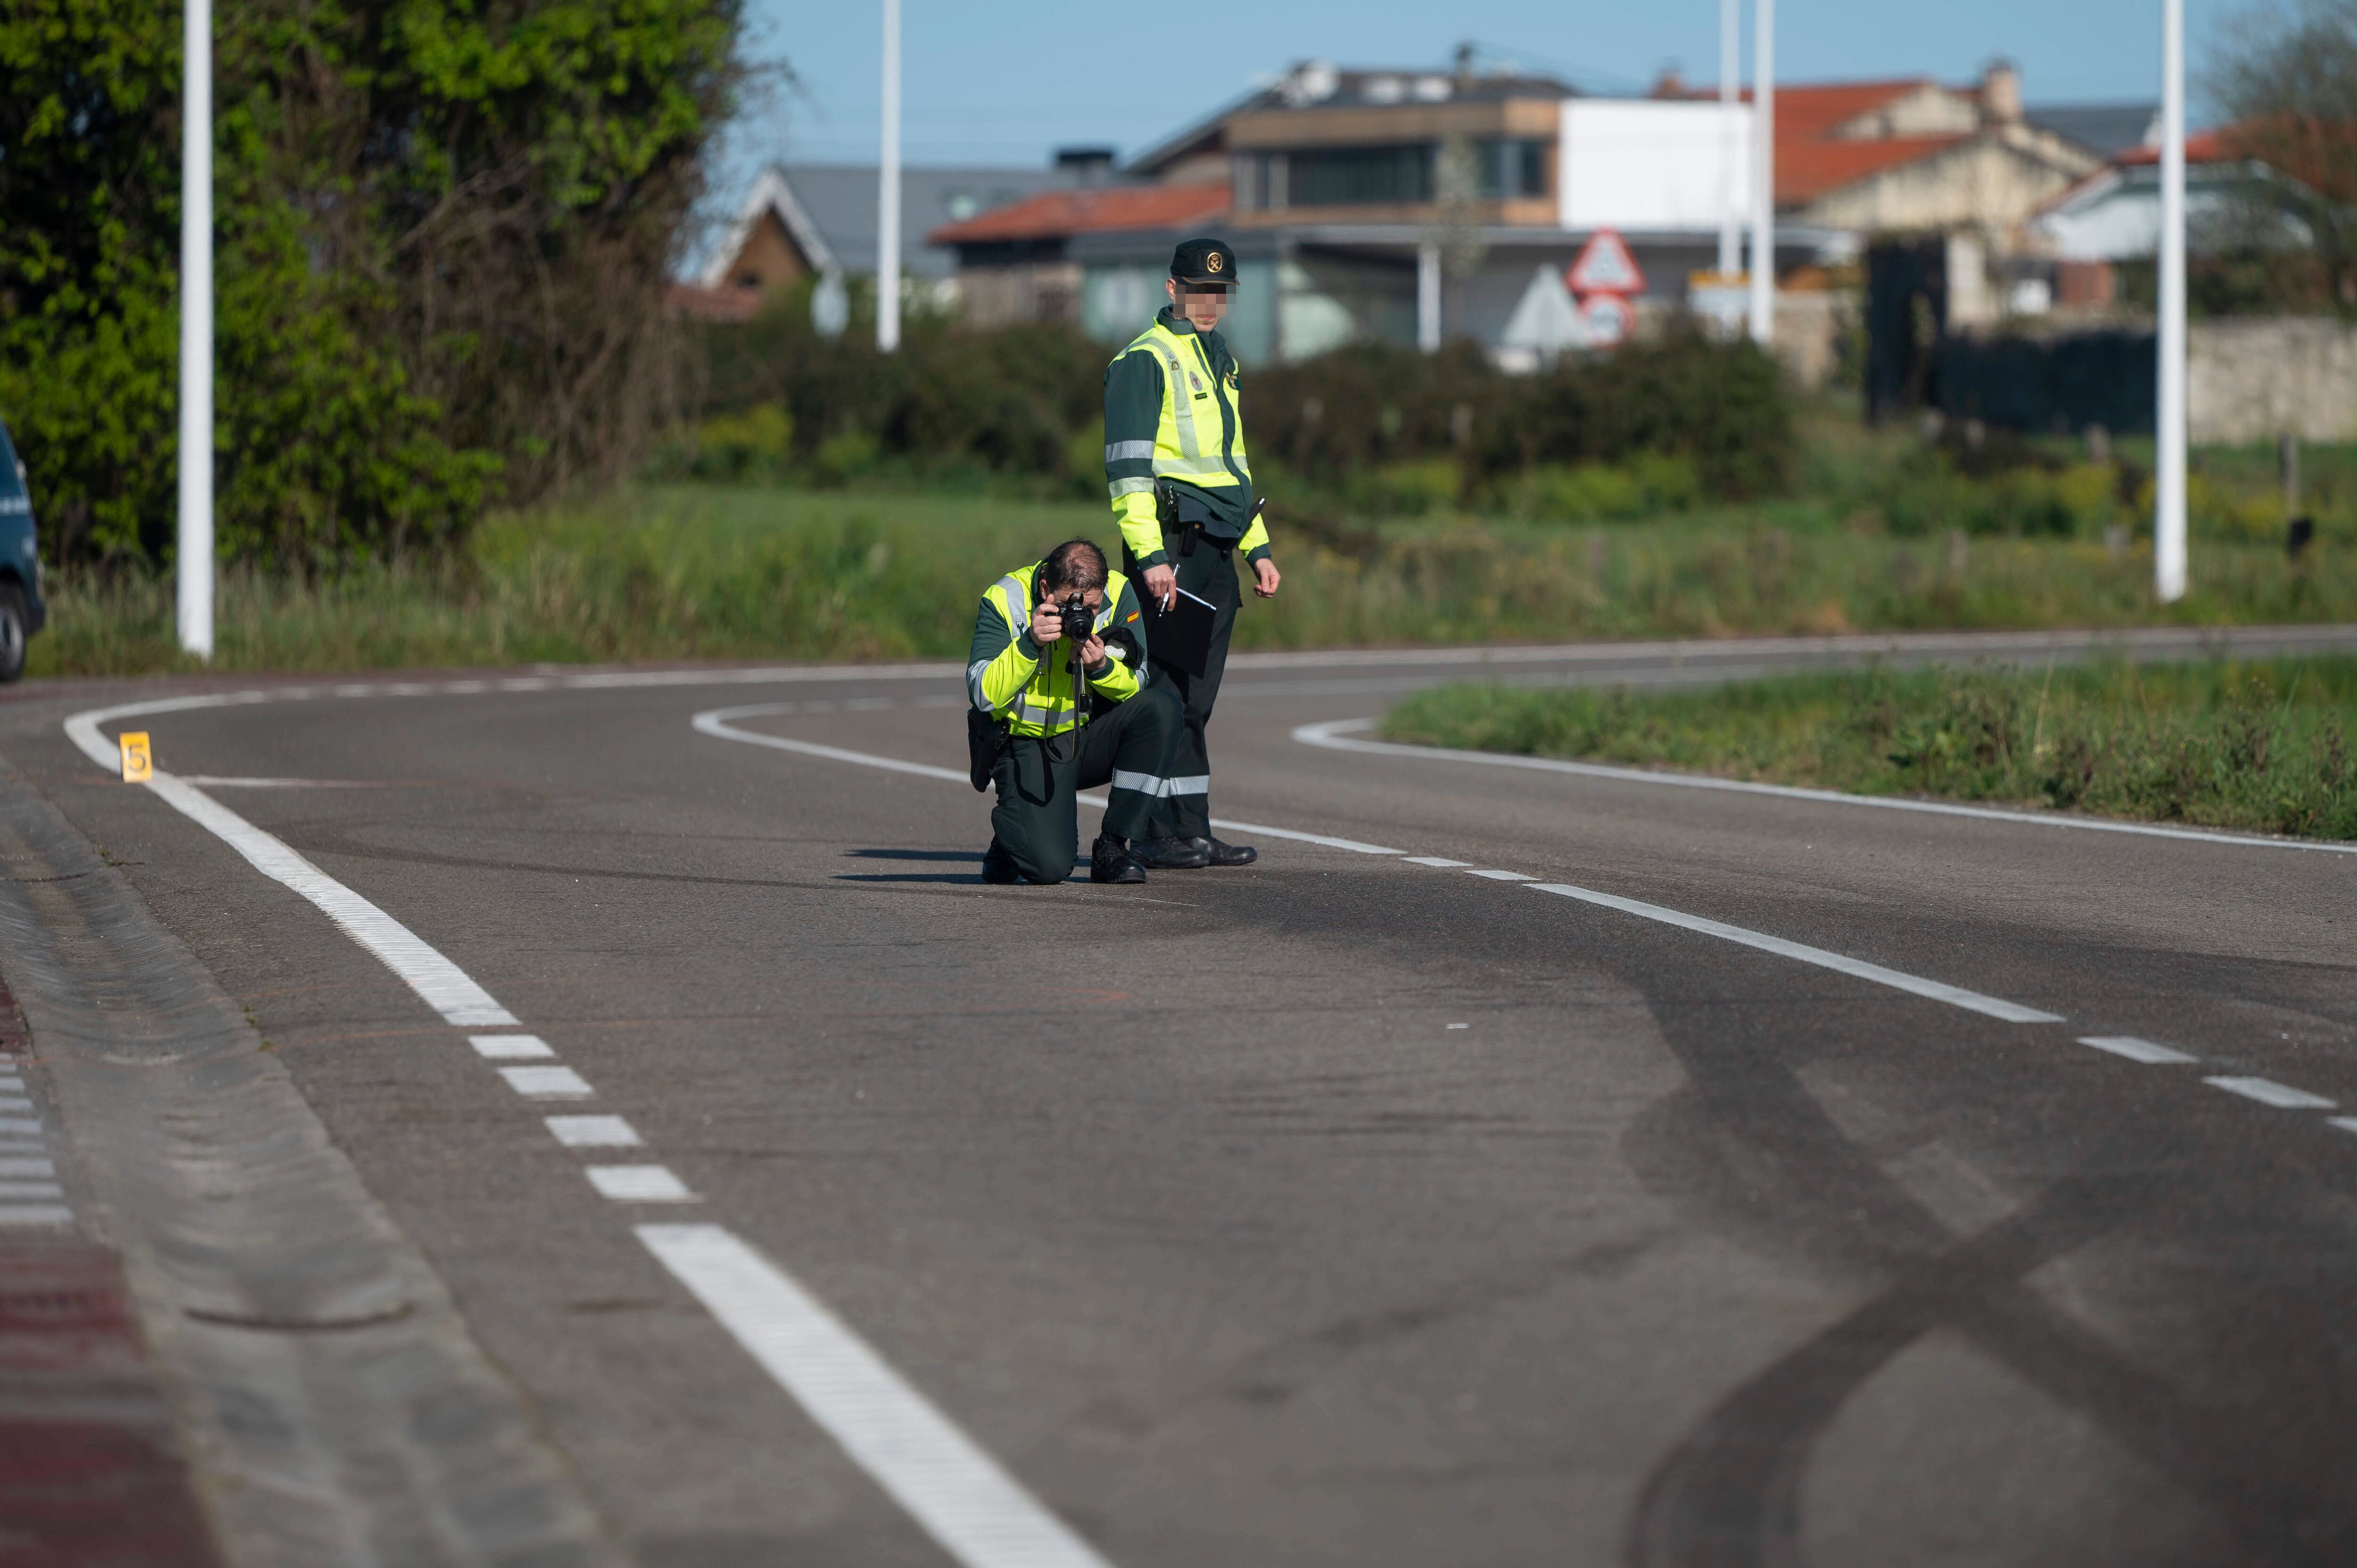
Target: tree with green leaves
[[445, 231], [2288, 83]]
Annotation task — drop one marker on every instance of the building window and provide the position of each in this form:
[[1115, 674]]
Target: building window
[[1513, 168], [1357, 176]]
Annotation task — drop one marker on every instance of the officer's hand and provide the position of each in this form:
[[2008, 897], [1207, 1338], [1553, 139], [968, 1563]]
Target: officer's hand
[[1161, 585], [1093, 652], [1269, 577], [1048, 623]]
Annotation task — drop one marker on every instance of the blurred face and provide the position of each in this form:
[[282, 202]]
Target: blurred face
[[1092, 597], [1202, 307]]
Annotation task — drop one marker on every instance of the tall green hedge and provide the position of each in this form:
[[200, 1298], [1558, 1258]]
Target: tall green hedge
[[1027, 400], [444, 233]]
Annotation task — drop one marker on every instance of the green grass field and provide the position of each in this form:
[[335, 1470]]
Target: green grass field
[[719, 572], [2260, 745]]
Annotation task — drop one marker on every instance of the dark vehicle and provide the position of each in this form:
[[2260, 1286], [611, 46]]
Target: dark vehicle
[[22, 613]]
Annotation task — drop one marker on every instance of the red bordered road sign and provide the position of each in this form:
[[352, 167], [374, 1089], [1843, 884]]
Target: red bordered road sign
[[1608, 317], [1604, 267]]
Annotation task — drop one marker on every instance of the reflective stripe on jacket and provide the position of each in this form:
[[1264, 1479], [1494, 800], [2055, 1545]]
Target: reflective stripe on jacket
[[1009, 674], [1172, 414]]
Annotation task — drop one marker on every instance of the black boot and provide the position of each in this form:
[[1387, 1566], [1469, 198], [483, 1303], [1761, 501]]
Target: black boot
[[1172, 855], [997, 867], [1110, 861], [1218, 854]]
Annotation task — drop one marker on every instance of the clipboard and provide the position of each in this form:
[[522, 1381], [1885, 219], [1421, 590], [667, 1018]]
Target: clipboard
[[1180, 637]]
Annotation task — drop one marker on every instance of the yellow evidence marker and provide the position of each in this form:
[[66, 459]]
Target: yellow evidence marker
[[138, 766]]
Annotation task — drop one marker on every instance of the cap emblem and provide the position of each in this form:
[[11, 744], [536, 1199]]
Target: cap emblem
[[1214, 262]]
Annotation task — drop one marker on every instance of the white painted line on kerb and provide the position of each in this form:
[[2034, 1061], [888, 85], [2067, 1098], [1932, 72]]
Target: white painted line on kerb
[[716, 724], [2136, 1050], [503, 1048], [593, 1131], [954, 1490], [1937, 990], [978, 1513], [540, 1081], [639, 1184], [2267, 1092], [1333, 735]]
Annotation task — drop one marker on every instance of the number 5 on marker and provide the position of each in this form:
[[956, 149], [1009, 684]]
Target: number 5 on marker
[[138, 766]]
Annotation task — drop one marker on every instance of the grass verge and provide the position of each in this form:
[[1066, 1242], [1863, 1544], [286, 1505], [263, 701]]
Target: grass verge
[[720, 572], [2262, 745]]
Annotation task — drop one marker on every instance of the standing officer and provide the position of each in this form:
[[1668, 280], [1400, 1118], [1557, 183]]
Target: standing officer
[[1182, 492]]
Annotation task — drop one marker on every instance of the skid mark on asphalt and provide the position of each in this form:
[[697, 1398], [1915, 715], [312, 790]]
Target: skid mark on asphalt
[[977, 1513]]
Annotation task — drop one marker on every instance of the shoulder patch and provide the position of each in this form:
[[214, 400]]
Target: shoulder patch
[[1132, 615]]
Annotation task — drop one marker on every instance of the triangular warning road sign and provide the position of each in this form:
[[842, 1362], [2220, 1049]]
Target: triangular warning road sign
[[1605, 266]]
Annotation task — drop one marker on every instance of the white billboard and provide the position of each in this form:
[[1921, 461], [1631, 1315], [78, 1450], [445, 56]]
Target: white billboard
[[1648, 165]]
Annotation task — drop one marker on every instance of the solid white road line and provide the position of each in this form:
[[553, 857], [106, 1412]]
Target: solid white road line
[[979, 1515], [546, 1081], [2136, 1050], [954, 1490], [593, 1131], [716, 724], [639, 1184], [445, 987], [501, 1048], [2266, 1091], [1331, 734], [1954, 995]]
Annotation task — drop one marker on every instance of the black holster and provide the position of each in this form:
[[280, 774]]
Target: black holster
[[986, 743]]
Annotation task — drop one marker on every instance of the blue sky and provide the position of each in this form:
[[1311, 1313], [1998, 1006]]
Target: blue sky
[[1007, 84]]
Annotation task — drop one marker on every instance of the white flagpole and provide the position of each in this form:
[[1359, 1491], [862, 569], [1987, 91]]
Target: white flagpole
[[193, 563], [1730, 68], [1763, 175], [2169, 479], [887, 192]]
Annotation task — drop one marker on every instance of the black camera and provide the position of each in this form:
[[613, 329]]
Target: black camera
[[1074, 608]]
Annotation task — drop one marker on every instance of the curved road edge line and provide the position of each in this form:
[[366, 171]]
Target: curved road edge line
[[1331, 734]]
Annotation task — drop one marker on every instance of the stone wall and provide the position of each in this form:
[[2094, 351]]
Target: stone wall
[[2252, 380]]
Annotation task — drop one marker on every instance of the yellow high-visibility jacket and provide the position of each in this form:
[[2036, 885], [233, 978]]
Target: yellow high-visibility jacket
[[1034, 688]]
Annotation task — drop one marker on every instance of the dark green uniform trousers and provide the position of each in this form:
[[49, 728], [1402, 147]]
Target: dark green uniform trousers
[[1209, 574], [1036, 819]]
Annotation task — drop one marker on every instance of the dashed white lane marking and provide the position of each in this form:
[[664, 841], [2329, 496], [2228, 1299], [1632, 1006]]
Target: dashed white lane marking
[[716, 724], [593, 1131], [952, 1487], [1441, 861], [2267, 1092], [1499, 875], [546, 1081], [501, 1047], [2136, 1050], [980, 1516], [639, 1184], [2346, 1123], [1333, 735], [1937, 990]]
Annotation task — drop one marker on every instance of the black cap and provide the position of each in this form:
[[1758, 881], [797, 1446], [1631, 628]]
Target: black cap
[[1204, 264]]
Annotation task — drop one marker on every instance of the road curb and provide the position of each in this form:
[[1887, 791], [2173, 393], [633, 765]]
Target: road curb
[[335, 1407]]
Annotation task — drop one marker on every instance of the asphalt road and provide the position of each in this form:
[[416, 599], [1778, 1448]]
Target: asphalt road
[[1345, 1210]]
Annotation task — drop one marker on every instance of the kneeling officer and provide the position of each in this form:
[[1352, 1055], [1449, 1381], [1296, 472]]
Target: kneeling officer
[[1059, 737]]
